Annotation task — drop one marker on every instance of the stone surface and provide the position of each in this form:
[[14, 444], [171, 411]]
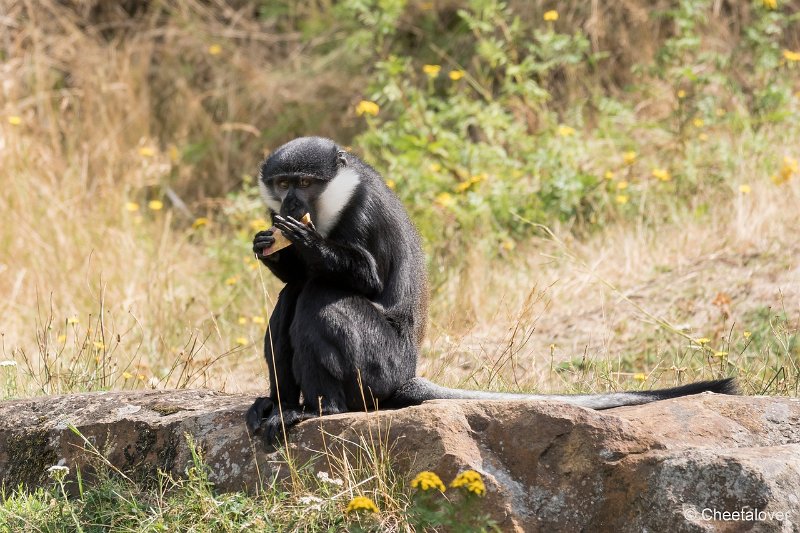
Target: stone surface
[[548, 466]]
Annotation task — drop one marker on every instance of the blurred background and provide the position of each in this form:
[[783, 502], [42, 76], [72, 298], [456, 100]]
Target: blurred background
[[608, 191]]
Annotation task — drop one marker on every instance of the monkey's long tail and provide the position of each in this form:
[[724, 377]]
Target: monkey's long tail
[[417, 390]]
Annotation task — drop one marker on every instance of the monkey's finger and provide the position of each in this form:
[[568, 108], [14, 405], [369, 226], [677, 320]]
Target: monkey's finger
[[264, 233], [260, 244], [264, 239], [286, 228], [292, 224]]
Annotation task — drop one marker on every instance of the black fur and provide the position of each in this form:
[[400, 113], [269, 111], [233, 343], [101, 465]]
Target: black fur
[[347, 327]]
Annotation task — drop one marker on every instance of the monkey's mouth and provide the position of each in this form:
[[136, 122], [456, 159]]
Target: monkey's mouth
[[281, 241]]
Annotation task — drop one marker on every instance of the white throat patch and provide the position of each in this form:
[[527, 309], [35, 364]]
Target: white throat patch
[[334, 199], [272, 202]]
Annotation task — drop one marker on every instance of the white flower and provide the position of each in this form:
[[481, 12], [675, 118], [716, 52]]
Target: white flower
[[58, 471], [8, 363], [313, 503], [325, 478]]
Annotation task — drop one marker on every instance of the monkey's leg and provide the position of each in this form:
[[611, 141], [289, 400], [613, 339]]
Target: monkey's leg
[[278, 353], [347, 355]]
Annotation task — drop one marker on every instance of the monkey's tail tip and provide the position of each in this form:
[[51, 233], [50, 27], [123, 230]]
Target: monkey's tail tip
[[725, 386], [718, 386]]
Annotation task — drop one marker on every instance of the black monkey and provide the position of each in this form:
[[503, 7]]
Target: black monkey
[[348, 325]]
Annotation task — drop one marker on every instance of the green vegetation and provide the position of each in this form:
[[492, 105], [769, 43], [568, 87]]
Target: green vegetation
[[363, 494]]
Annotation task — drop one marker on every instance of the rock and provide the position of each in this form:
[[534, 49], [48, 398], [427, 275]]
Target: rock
[[548, 466]]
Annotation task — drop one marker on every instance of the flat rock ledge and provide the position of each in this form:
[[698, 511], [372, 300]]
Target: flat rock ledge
[[675, 465]]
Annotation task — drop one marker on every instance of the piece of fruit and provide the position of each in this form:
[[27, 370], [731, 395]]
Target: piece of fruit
[[282, 242]]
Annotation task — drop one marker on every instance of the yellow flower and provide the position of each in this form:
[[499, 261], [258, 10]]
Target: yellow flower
[[609, 175], [431, 70], [745, 189], [508, 245], [131, 206], [565, 131], [629, 157], [233, 280], [698, 122], [719, 112], [622, 199], [770, 4], [434, 167], [215, 49], [471, 481], [257, 319], [790, 165], [242, 320], [141, 377], [662, 174], [391, 184], [720, 354], [702, 341], [551, 15], [456, 75], [14, 120], [72, 320], [746, 334], [640, 377], [463, 186], [127, 375], [155, 205], [367, 107], [258, 224], [98, 344], [681, 94], [146, 151], [703, 136], [426, 481], [791, 56], [788, 168], [361, 503], [444, 199], [622, 185], [199, 222], [241, 341], [174, 153], [61, 339]]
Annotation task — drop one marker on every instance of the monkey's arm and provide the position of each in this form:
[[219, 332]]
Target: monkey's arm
[[352, 267]]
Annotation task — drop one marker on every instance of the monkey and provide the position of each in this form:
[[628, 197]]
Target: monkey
[[348, 324]]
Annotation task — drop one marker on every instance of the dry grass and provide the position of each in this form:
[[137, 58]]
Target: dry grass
[[606, 300]]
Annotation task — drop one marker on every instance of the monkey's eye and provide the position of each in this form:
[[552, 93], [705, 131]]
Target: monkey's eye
[[283, 184], [304, 182]]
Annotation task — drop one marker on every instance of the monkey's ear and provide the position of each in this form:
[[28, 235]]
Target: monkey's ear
[[341, 158]]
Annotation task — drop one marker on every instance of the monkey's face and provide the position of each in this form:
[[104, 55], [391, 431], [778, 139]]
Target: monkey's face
[[297, 195], [309, 175]]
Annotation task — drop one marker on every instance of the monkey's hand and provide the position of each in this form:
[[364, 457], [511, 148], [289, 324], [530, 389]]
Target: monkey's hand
[[305, 237], [262, 241]]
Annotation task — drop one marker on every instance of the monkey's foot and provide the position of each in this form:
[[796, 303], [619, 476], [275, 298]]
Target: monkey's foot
[[272, 426], [260, 410], [264, 417]]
